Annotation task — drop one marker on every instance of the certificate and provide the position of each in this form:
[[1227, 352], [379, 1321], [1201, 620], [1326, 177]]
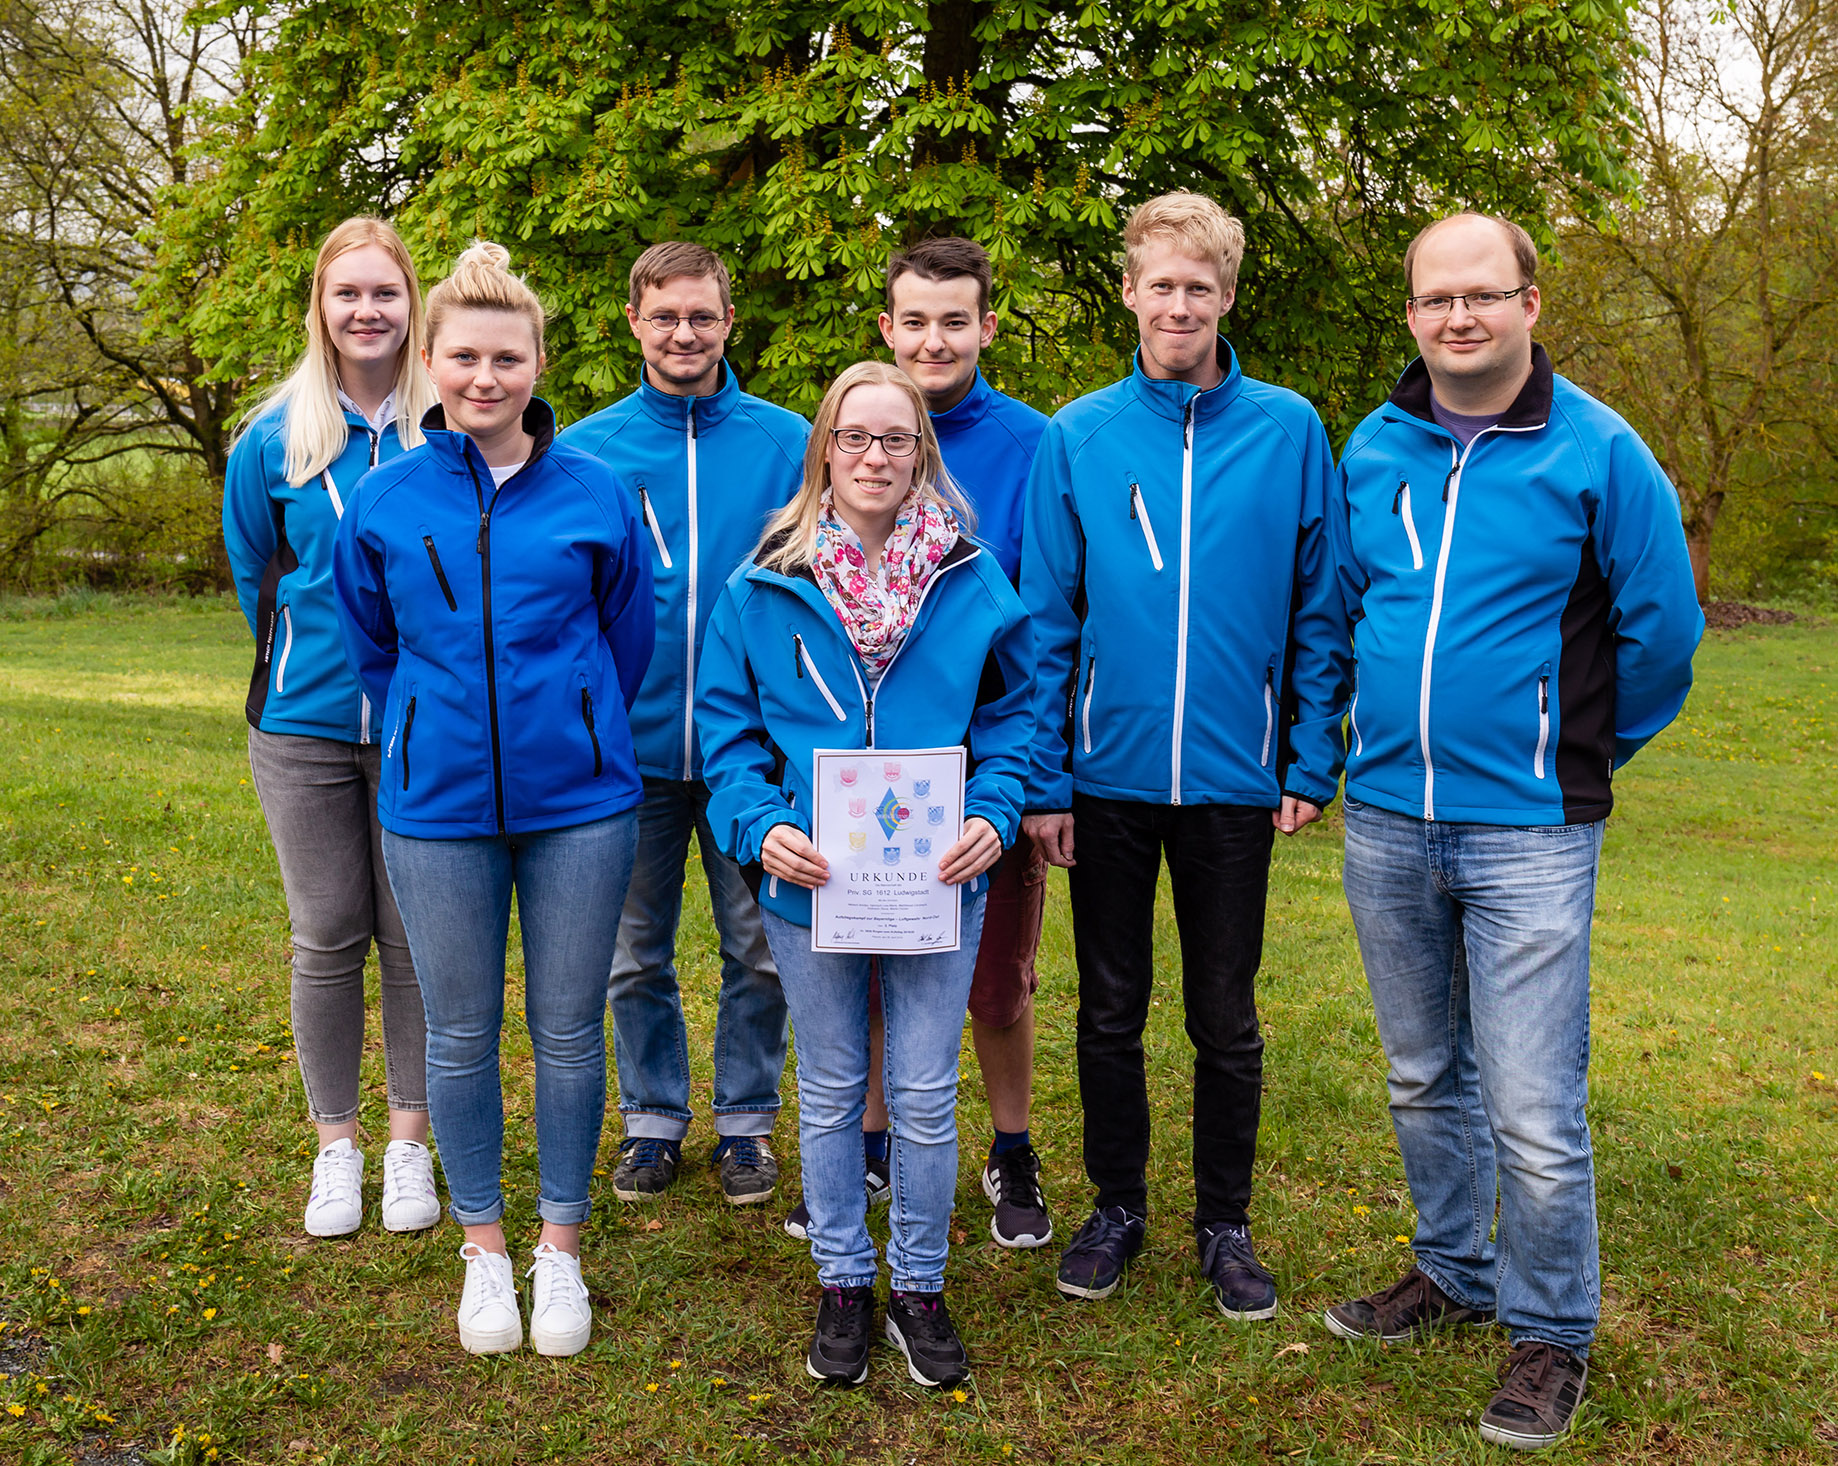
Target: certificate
[[883, 818]]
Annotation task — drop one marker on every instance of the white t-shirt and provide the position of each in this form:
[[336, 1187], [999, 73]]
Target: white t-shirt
[[499, 475]]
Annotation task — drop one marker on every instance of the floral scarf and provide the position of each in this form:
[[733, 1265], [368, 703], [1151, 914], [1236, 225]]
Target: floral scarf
[[877, 610]]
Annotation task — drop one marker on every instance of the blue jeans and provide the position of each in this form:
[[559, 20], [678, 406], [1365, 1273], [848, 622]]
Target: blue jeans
[[455, 898], [1476, 945], [649, 1036], [924, 999]]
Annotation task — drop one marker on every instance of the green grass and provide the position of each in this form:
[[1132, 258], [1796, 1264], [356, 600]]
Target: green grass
[[154, 1149]]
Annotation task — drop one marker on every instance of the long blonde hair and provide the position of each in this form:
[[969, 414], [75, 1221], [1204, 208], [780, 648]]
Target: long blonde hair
[[316, 428], [790, 540]]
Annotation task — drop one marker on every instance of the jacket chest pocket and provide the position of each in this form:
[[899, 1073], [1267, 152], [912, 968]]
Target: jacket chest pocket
[[806, 667], [1544, 721], [1400, 506]]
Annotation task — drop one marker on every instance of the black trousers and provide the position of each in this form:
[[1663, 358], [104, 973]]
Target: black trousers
[[1219, 864]]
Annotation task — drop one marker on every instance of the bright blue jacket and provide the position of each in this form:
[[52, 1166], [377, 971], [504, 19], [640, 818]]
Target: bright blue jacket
[[708, 472], [1525, 614], [1178, 566], [280, 541], [502, 631], [780, 679], [988, 441]]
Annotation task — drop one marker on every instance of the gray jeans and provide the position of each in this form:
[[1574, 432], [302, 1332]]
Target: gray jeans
[[319, 797]]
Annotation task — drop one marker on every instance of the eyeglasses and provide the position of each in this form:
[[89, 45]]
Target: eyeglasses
[[856, 440], [1478, 302], [702, 322]]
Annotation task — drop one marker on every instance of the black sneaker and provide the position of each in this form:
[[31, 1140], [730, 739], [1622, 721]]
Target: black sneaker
[[839, 1352], [919, 1326], [798, 1224], [1411, 1308], [1092, 1264], [1242, 1287], [879, 1180], [1011, 1181], [647, 1166], [1536, 1403], [749, 1170]]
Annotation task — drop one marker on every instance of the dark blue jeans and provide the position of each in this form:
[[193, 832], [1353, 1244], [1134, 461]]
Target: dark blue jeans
[[455, 897]]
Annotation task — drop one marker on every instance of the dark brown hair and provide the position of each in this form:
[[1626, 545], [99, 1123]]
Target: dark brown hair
[[944, 259], [1525, 253], [670, 261]]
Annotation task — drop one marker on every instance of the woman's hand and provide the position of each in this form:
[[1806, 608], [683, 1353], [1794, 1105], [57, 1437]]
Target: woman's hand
[[788, 854], [978, 848]]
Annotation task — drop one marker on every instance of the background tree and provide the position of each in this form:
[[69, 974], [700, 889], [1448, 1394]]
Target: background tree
[[1705, 308], [806, 140]]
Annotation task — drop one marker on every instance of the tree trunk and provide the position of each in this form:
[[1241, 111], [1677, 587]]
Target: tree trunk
[[1700, 519]]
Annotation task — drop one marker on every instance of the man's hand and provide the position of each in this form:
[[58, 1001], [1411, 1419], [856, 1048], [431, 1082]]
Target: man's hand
[[788, 854], [1294, 814], [1053, 833], [978, 848]]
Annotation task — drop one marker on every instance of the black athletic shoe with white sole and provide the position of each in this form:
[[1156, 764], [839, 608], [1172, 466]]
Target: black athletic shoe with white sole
[[919, 1326], [1093, 1262], [1011, 1181], [1243, 1289], [845, 1323]]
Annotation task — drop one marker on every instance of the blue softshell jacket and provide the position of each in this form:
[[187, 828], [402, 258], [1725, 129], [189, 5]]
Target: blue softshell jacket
[[280, 540], [780, 679], [988, 441], [503, 631], [708, 473], [1524, 609], [1188, 623]]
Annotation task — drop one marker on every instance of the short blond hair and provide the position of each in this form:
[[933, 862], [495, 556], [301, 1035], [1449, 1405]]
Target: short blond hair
[[482, 280], [1194, 225]]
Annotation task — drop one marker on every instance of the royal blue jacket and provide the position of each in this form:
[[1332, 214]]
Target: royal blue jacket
[[708, 472], [503, 631], [1187, 620], [1524, 609], [280, 540], [988, 441], [780, 679]]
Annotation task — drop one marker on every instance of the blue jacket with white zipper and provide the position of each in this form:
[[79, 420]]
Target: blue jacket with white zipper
[[1524, 609], [780, 679], [1178, 565], [280, 537], [708, 472], [988, 441], [502, 630]]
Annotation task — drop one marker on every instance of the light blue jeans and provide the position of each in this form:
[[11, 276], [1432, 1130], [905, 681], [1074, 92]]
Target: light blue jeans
[[1476, 945], [455, 899], [649, 1037], [924, 999]]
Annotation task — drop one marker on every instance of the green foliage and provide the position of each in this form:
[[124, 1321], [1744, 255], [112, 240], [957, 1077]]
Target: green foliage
[[805, 141]]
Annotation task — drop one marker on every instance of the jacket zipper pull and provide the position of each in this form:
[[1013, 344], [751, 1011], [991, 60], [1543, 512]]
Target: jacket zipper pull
[[373, 450], [1454, 468], [797, 655], [1135, 489], [644, 503], [479, 544], [1398, 498], [1187, 422]]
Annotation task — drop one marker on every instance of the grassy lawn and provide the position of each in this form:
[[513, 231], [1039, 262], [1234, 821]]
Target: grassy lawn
[[161, 1303]]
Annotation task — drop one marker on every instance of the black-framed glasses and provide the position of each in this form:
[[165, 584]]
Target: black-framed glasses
[[894, 445], [1479, 302], [702, 322]]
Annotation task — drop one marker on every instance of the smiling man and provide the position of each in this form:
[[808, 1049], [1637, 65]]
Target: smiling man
[[1525, 621], [708, 464], [1192, 659]]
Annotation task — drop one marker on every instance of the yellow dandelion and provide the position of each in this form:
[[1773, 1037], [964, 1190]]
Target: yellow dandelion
[[717, 1380], [15, 1410], [1251, 1398], [959, 1396], [676, 1363], [84, 1309], [1400, 1239], [209, 1314]]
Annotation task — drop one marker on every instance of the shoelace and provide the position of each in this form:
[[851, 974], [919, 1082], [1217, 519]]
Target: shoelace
[[647, 1151], [1526, 1374], [1235, 1243], [554, 1271], [932, 1321], [1016, 1179], [846, 1316], [401, 1170], [337, 1176], [494, 1283], [748, 1150], [1409, 1292], [1098, 1234]]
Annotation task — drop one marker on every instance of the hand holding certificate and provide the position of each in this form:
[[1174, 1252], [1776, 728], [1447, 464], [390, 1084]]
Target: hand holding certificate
[[884, 820]]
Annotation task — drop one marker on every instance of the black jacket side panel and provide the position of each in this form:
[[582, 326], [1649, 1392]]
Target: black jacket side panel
[[267, 615], [1586, 691]]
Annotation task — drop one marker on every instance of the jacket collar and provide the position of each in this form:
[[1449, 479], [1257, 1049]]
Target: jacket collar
[[458, 451], [675, 412], [971, 409], [1170, 399], [1530, 409]]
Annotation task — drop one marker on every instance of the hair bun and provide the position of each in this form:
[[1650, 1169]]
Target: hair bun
[[484, 254]]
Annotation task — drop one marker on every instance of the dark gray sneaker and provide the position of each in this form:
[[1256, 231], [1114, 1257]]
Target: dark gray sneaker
[[646, 1167], [919, 1326], [839, 1352], [1011, 1181], [1092, 1264], [749, 1171], [1242, 1287], [1536, 1403], [1411, 1308]]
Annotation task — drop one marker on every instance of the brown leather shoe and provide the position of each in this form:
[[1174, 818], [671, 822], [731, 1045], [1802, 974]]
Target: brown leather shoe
[[1536, 1403], [1411, 1308]]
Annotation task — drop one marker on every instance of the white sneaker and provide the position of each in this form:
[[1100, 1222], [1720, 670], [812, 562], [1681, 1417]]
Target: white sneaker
[[336, 1206], [560, 1316], [488, 1319], [410, 1202]]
